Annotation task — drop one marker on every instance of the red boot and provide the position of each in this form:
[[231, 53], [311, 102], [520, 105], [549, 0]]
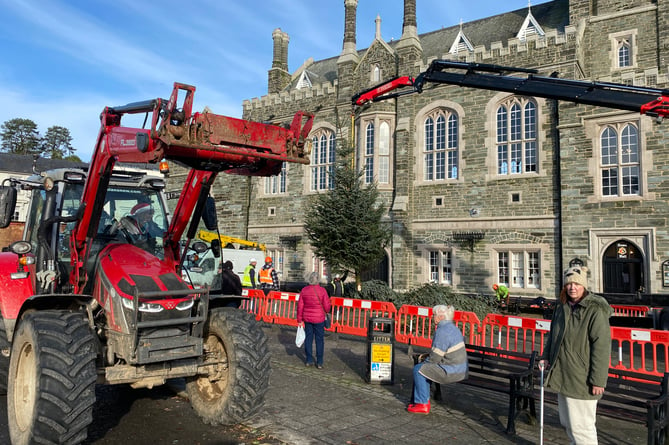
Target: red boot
[[421, 408]]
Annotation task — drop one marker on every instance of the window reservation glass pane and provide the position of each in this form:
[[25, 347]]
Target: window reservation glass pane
[[502, 163], [369, 154], [533, 270], [384, 153], [610, 181], [629, 145], [384, 170], [530, 121], [516, 158], [609, 141], [518, 277], [429, 161], [434, 267], [516, 123], [630, 180], [624, 55], [440, 166], [503, 268], [531, 156], [452, 132], [501, 124], [452, 165], [446, 275]]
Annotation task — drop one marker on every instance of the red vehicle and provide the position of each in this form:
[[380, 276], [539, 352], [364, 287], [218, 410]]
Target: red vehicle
[[94, 291]]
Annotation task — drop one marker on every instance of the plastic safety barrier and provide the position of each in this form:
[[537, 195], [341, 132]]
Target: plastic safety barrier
[[255, 302], [281, 308], [517, 334], [640, 350], [414, 325], [629, 311], [469, 325], [350, 316]]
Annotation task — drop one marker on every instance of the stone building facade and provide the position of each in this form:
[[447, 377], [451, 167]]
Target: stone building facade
[[481, 187]]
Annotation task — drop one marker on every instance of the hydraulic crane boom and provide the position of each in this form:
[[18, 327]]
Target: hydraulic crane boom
[[650, 101]]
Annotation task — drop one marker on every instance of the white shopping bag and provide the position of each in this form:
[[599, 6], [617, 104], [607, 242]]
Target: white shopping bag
[[299, 337]]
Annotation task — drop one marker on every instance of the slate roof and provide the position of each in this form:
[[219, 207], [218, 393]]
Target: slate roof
[[551, 16]]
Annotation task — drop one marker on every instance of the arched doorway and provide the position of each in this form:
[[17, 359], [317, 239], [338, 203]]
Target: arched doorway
[[623, 268]]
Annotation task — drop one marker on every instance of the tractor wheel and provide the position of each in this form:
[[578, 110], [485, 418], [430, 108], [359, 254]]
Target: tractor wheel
[[5, 348], [51, 387], [236, 346]]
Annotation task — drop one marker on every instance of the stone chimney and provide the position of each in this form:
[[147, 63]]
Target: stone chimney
[[349, 53], [409, 48], [279, 77]]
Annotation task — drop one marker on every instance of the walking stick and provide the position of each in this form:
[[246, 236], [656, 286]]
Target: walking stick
[[542, 366]]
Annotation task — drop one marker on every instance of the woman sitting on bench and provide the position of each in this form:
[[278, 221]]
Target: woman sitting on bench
[[446, 363]]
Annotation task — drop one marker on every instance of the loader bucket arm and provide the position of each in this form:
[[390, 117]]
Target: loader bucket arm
[[205, 142]]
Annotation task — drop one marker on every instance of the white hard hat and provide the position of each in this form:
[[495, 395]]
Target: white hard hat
[[253, 260]]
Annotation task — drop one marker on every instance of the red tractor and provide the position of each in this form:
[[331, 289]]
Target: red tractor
[[94, 291]]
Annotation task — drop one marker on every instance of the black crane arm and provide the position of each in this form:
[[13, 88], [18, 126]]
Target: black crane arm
[[644, 100]]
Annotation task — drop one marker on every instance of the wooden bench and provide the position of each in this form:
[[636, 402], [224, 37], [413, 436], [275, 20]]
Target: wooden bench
[[507, 372]]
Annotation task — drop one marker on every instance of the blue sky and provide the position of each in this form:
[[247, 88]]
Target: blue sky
[[64, 61]]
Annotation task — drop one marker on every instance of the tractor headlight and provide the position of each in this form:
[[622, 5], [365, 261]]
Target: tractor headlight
[[185, 305], [143, 307]]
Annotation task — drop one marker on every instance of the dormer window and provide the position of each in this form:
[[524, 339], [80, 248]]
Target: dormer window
[[461, 44], [530, 27], [304, 81]]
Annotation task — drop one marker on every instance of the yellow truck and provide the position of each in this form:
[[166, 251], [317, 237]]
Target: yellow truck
[[201, 263]]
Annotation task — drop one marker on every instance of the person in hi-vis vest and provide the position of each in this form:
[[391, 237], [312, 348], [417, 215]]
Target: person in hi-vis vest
[[269, 279], [249, 280]]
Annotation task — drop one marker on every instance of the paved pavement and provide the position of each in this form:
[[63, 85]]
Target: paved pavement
[[335, 405]]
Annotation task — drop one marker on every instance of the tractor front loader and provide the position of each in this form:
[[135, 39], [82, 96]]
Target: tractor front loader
[[93, 293]]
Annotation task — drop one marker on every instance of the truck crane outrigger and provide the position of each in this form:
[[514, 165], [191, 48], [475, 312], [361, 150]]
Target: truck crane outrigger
[[94, 293]]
